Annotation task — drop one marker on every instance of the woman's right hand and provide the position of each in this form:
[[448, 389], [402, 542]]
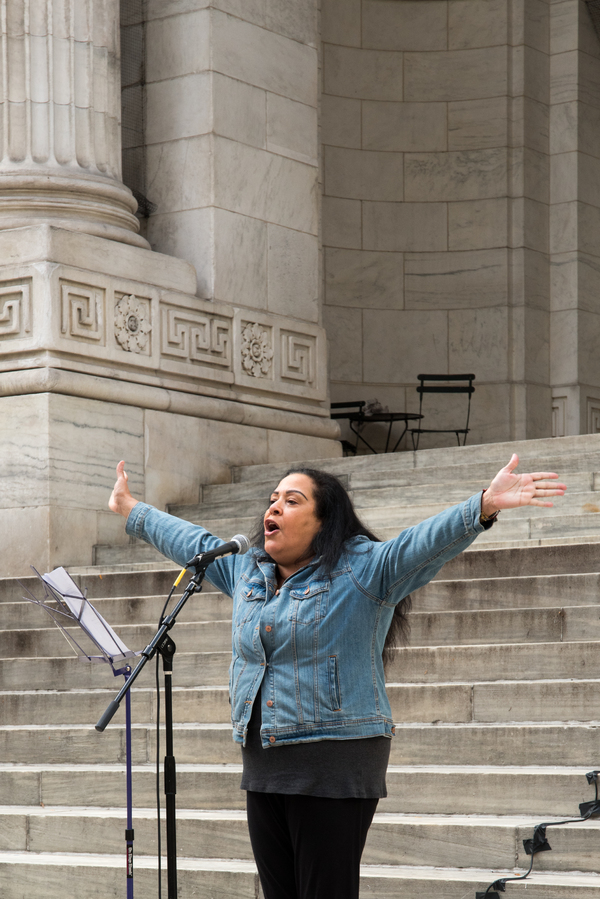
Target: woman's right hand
[[121, 500]]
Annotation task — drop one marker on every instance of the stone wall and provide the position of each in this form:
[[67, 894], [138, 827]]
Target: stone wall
[[575, 219], [435, 209], [232, 96], [111, 350]]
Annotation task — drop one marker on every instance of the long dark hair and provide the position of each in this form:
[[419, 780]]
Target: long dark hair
[[339, 523]]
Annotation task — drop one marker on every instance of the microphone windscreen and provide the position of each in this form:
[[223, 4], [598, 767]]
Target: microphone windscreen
[[243, 543]]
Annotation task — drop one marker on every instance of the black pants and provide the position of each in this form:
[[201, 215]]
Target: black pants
[[308, 847]]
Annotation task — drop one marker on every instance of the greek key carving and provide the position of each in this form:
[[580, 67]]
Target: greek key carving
[[559, 416], [298, 357], [82, 311], [593, 415], [15, 311], [195, 337], [257, 352], [132, 324]]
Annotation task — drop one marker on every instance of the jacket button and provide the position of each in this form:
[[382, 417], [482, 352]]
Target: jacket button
[[268, 627], [269, 702], [307, 591], [271, 739]]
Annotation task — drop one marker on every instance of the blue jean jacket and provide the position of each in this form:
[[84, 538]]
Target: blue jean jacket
[[315, 644]]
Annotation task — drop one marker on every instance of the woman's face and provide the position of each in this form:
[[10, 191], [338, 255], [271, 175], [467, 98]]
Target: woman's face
[[291, 523]]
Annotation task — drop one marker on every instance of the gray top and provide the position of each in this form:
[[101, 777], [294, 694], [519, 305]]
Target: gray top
[[336, 769]]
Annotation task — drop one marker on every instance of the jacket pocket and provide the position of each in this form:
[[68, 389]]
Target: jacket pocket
[[335, 694], [248, 595], [309, 604]]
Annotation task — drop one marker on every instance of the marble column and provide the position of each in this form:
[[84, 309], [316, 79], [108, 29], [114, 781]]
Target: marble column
[[60, 144]]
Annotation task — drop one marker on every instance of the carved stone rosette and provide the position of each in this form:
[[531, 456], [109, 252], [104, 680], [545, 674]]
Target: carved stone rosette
[[132, 325], [257, 352]]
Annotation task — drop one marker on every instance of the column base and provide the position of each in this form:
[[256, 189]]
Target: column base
[[90, 204]]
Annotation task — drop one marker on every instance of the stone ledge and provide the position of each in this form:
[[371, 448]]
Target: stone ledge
[[51, 380]]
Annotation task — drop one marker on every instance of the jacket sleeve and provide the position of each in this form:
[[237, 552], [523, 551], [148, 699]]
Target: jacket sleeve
[[393, 569], [180, 541]]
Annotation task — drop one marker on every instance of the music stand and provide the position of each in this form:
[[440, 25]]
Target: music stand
[[73, 606]]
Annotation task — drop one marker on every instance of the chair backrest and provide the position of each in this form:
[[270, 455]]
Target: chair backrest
[[348, 407], [444, 384], [437, 387]]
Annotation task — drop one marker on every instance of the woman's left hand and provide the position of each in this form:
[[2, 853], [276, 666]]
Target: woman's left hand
[[509, 490]]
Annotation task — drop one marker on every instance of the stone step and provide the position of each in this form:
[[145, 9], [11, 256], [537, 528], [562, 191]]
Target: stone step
[[502, 744], [139, 552], [577, 558], [395, 839], [544, 454], [521, 525], [462, 664], [445, 664], [437, 789], [98, 584], [478, 561], [123, 610], [378, 496], [49, 643], [581, 485], [498, 662], [581, 475], [64, 673], [540, 591], [533, 542], [482, 701], [578, 474], [448, 739], [469, 743], [493, 626], [488, 626], [584, 505], [521, 533], [25, 874]]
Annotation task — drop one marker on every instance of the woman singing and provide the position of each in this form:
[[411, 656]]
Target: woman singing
[[316, 603]]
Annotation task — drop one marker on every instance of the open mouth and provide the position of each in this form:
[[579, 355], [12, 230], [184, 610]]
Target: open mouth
[[271, 526]]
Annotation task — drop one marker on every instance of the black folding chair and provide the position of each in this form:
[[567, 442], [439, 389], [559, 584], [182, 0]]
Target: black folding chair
[[438, 386]]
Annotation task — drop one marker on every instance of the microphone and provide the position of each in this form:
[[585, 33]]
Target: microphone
[[237, 544]]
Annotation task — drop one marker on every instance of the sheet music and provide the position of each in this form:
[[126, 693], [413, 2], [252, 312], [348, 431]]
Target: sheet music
[[92, 622]]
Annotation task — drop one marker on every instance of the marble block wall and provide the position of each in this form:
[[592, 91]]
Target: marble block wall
[[58, 457], [231, 147], [575, 219], [434, 125]]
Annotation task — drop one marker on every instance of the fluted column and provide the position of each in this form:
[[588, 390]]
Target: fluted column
[[60, 145]]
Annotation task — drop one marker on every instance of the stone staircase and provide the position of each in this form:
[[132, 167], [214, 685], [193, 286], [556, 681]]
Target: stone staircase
[[494, 702]]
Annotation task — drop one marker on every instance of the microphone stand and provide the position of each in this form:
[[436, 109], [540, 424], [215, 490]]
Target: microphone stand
[[162, 643]]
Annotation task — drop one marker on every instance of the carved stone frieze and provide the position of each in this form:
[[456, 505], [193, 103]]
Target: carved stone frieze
[[257, 350], [593, 415], [195, 337], [82, 311], [298, 357], [15, 311], [132, 324]]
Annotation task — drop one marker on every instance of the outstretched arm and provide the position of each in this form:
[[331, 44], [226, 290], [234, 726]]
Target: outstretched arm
[[121, 500], [509, 490]]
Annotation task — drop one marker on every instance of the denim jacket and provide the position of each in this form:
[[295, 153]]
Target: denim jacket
[[315, 644]]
